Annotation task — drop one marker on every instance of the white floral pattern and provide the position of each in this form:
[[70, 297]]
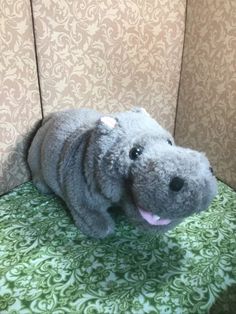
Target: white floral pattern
[[19, 94], [107, 54], [110, 55], [206, 116]]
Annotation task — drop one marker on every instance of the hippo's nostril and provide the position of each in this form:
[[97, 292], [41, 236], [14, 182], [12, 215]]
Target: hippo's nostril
[[176, 184]]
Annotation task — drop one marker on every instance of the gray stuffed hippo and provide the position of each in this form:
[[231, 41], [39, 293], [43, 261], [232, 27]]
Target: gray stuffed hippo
[[94, 161]]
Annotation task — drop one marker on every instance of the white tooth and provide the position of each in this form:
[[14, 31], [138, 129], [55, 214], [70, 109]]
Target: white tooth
[[156, 217]]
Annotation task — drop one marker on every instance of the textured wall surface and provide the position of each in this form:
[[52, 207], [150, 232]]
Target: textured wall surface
[[206, 118], [19, 96], [110, 54]]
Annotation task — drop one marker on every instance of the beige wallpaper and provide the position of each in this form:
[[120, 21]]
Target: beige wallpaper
[[206, 118], [110, 54], [19, 96]]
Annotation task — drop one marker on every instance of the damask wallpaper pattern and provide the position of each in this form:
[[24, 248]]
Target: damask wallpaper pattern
[[206, 117], [110, 54], [114, 54], [19, 95]]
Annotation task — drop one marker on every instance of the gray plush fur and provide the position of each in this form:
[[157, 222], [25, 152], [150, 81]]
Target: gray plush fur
[[84, 157]]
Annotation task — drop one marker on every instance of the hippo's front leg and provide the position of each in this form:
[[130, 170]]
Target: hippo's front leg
[[94, 223]]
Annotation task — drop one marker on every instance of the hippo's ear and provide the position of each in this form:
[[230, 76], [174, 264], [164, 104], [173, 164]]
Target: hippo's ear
[[106, 124], [141, 110]]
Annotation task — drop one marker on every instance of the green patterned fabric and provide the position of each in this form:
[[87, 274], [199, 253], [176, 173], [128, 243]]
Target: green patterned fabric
[[48, 266]]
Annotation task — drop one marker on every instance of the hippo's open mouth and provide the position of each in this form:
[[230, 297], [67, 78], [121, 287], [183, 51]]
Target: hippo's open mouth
[[153, 219], [148, 216]]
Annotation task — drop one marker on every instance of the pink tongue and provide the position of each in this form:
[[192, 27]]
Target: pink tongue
[[152, 220]]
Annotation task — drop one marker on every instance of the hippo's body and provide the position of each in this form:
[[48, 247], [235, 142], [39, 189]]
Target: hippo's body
[[93, 161]]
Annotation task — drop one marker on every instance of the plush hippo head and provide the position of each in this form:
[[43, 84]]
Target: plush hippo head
[[139, 166]]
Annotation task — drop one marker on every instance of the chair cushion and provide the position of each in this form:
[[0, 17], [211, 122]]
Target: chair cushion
[[48, 266]]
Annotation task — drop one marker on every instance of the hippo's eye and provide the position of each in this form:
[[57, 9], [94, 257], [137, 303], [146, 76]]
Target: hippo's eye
[[135, 152], [169, 142]]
